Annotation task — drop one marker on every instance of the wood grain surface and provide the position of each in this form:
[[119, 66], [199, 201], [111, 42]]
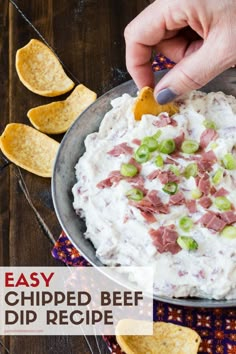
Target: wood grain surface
[[87, 36]]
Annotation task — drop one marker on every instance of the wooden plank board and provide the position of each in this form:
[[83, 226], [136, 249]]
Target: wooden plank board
[[25, 232], [28, 244], [4, 170], [88, 38]]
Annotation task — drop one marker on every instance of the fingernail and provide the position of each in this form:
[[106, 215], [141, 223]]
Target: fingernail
[[166, 95]]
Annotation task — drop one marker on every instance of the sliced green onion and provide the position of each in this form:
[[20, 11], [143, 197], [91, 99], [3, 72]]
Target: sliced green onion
[[229, 162], [213, 145], [167, 146], [128, 170], [222, 203], [135, 194], [170, 188], [142, 154], [216, 179], [196, 193], [159, 161], [185, 223], [209, 124], [175, 170], [187, 243], [189, 146], [229, 232], [157, 134], [191, 170], [151, 143]]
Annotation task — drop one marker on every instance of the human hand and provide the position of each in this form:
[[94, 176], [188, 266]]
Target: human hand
[[198, 35]]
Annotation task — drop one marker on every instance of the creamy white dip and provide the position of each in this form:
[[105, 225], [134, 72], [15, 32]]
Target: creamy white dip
[[120, 233]]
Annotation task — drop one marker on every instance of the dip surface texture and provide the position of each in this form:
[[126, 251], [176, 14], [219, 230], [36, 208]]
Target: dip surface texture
[[137, 220]]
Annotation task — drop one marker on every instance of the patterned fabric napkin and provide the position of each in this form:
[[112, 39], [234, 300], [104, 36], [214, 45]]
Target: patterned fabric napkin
[[217, 327]]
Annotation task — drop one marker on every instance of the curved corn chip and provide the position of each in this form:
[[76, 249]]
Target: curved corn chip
[[166, 338], [29, 149], [146, 104], [57, 117], [40, 70]]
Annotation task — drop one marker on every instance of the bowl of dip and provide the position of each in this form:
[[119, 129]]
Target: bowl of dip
[[64, 177]]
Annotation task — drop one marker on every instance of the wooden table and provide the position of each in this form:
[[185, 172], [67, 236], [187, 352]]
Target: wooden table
[[87, 36]]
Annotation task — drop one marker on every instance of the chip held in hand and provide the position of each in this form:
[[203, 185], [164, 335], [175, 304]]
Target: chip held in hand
[[146, 104], [40, 70], [57, 117], [29, 149], [167, 338]]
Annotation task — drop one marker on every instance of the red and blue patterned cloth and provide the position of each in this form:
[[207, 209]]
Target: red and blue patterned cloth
[[217, 327]]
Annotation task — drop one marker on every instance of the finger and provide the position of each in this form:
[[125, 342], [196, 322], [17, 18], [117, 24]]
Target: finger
[[178, 47], [175, 49], [141, 37], [138, 63], [192, 72]]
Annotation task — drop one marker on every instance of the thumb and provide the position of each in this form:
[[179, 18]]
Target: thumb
[[192, 72]]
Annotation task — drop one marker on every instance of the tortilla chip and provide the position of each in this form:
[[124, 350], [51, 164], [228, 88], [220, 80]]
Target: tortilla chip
[[146, 104], [40, 71], [166, 338], [57, 117], [29, 149]]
